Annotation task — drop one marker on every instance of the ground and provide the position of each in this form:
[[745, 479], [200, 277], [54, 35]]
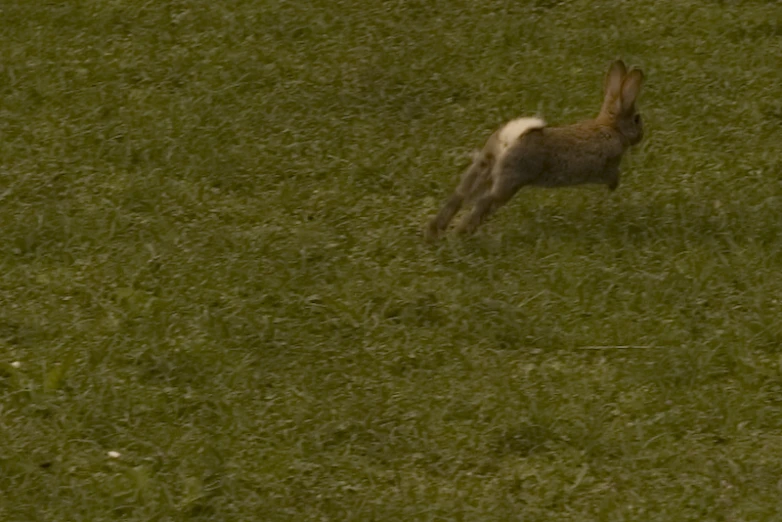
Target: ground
[[215, 302]]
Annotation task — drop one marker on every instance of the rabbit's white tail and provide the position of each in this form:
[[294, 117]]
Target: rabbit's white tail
[[514, 129]]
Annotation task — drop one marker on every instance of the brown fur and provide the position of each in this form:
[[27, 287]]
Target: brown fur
[[585, 152]]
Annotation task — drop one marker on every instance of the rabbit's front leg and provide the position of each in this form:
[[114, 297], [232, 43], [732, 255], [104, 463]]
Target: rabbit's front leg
[[612, 175]]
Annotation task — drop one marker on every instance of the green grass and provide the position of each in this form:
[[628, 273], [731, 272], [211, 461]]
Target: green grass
[[211, 264]]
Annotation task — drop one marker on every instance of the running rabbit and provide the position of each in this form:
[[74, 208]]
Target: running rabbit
[[527, 152]]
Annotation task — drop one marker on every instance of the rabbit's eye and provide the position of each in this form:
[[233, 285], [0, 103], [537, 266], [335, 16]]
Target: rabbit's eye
[[637, 119]]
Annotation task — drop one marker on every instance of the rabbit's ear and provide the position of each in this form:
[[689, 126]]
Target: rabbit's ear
[[631, 87], [616, 74], [613, 87]]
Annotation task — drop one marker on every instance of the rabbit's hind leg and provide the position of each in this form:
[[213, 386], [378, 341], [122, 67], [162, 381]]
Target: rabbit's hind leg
[[474, 181], [501, 192]]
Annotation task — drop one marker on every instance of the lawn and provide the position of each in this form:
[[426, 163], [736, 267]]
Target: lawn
[[216, 304]]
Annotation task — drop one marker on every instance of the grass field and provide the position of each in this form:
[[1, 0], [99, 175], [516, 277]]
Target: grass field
[[211, 264]]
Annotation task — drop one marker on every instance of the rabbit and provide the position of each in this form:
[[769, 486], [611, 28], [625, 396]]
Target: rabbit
[[527, 152]]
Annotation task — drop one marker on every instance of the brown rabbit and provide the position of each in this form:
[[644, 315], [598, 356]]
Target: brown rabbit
[[526, 152]]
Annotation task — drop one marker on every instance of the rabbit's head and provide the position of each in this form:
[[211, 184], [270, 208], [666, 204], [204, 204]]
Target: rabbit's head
[[618, 111]]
